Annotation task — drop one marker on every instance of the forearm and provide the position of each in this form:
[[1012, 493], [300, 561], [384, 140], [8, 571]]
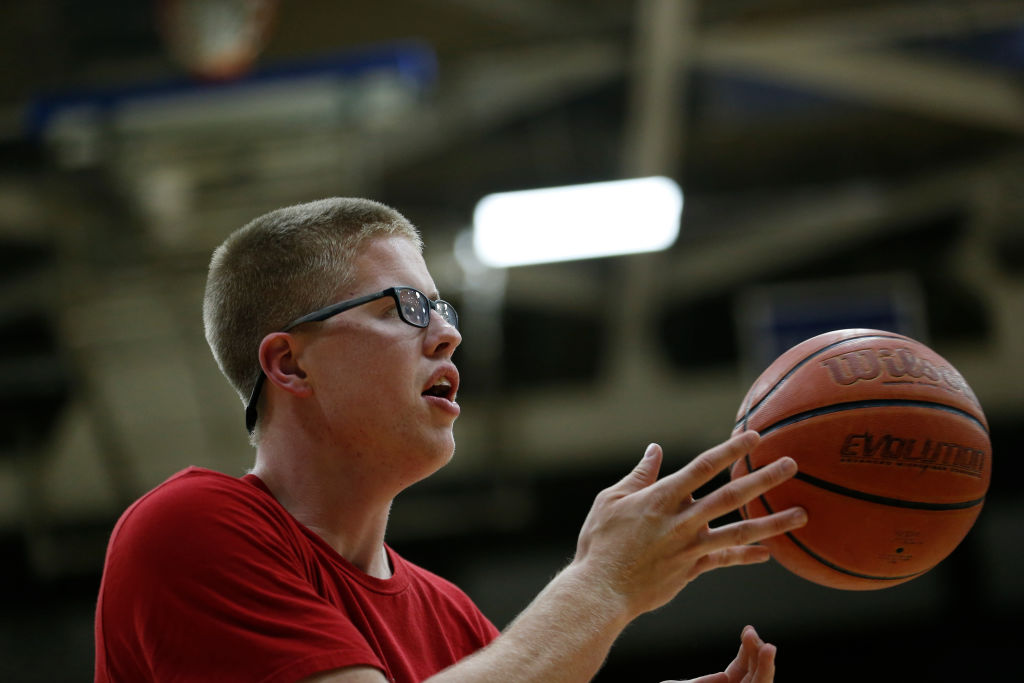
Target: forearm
[[563, 636]]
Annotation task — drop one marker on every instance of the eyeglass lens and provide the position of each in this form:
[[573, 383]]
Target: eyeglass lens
[[416, 307]]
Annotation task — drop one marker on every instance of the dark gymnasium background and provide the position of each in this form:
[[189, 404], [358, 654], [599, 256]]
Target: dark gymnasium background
[[844, 163]]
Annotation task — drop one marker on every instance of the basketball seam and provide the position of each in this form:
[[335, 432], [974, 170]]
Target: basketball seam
[[803, 361], [870, 403], [884, 500], [844, 570], [818, 558]]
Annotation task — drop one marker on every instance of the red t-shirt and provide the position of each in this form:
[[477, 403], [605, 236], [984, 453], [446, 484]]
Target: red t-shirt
[[208, 578]]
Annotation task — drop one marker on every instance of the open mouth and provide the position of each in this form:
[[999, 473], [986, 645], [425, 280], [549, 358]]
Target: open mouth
[[441, 388]]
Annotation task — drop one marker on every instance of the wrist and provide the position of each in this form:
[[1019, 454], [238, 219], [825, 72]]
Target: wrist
[[599, 593]]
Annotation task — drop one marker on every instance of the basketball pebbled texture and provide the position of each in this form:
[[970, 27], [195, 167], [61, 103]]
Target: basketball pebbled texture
[[893, 451]]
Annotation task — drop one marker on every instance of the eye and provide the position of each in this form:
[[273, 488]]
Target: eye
[[384, 308], [412, 310]]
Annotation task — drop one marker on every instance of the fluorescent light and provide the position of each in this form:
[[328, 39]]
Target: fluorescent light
[[577, 221]]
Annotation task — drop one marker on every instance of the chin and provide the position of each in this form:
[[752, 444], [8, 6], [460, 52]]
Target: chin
[[446, 454], [429, 464], [437, 453]]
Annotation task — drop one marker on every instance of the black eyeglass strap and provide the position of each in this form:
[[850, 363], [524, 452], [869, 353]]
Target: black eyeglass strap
[[250, 407]]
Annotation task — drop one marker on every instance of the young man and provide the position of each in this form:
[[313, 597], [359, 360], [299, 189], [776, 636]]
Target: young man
[[326, 321]]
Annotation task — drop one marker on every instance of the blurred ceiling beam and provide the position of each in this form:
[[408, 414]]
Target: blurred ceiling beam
[[496, 88], [663, 45], [540, 15], [851, 54], [874, 25], [944, 89], [654, 145]]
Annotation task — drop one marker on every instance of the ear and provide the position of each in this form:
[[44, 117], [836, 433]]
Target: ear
[[280, 363]]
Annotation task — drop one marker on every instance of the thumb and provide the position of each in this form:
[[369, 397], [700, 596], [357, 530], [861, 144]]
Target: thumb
[[646, 471]]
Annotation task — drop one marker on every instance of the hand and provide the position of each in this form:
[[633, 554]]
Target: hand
[[645, 539], [754, 663]]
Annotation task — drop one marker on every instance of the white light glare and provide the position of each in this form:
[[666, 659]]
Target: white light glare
[[577, 221]]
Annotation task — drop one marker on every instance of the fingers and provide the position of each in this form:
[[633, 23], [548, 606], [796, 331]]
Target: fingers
[[711, 678], [725, 545], [674, 493], [763, 668], [741, 491], [708, 464], [750, 645], [758, 656], [731, 556], [755, 662], [754, 530], [728, 546], [765, 664]]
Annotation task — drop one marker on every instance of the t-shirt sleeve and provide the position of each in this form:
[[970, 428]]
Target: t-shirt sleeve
[[204, 583]]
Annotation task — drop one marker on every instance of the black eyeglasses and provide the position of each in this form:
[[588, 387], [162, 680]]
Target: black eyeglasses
[[413, 307]]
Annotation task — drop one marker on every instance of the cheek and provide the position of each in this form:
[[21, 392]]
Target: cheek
[[382, 370]]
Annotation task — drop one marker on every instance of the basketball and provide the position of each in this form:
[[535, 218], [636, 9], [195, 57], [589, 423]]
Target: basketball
[[893, 451]]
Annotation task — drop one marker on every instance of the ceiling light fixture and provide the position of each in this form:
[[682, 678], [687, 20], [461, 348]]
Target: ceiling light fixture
[[577, 222]]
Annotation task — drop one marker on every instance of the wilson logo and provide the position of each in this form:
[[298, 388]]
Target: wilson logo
[[894, 366]]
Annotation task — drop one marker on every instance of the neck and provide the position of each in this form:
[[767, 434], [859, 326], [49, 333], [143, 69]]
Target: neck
[[339, 505]]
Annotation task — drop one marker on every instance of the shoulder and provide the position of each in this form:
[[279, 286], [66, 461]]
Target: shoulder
[[191, 492], [196, 509], [195, 491], [195, 481], [208, 570]]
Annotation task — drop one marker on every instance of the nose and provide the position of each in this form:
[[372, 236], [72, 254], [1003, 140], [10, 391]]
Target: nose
[[442, 338]]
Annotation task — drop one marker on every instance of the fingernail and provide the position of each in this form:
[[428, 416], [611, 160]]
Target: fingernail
[[651, 448], [799, 515]]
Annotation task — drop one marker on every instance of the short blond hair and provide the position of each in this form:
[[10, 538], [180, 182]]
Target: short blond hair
[[283, 265]]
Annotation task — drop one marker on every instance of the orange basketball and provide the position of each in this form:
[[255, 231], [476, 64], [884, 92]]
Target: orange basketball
[[893, 451]]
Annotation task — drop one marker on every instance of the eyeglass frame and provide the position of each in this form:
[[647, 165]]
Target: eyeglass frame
[[441, 306]]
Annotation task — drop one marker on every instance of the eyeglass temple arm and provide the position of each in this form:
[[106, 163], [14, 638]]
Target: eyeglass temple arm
[[335, 309]]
